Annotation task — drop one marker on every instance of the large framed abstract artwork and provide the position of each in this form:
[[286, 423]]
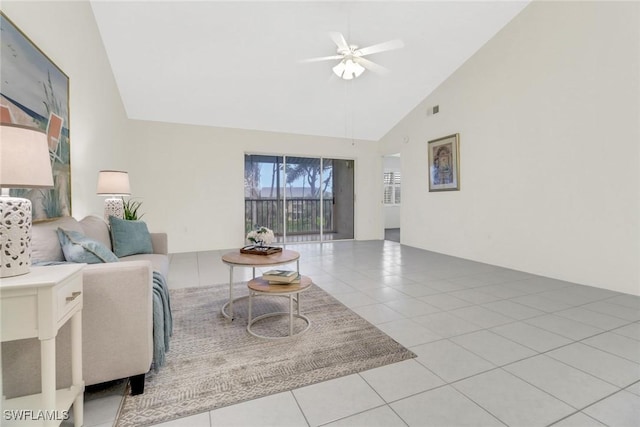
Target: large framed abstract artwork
[[34, 92], [444, 163]]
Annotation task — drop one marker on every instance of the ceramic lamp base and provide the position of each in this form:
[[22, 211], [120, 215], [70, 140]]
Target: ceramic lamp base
[[15, 236], [113, 207]]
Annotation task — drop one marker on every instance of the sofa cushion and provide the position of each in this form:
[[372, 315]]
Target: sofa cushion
[[96, 228], [79, 248], [130, 237], [45, 245]]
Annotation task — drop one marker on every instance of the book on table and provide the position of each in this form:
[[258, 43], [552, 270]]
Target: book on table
[[295, 281], [280, 276]]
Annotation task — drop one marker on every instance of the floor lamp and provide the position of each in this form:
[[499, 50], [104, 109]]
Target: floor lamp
[[24, 163], [113, 184]]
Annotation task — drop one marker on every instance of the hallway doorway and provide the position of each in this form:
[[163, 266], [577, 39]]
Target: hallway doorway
[[392, 234]]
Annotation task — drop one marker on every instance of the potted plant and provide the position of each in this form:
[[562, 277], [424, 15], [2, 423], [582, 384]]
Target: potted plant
[[131, 209]]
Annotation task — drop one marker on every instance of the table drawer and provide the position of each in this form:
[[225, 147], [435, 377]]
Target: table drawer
[[68, 295], [18, 315]]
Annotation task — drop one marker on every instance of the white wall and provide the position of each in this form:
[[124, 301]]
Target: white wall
[[392, 217], [391, 213], [66, 32], [548, 113], [191, 179]]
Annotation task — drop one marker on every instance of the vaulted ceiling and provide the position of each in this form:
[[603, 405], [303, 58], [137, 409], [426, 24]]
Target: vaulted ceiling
[[236, 64]]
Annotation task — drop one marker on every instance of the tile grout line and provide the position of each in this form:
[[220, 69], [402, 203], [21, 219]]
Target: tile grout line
[[299, 408]]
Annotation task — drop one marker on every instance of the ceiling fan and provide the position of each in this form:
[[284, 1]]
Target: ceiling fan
[[352, 62]]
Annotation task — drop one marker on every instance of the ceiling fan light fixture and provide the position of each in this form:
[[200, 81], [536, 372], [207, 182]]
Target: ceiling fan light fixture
[[352, 58], [347, 69]]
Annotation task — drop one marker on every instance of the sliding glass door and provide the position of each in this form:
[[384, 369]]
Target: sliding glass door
[[300, 198]]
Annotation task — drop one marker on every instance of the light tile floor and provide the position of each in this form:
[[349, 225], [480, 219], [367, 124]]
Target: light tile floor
[[495, 346]]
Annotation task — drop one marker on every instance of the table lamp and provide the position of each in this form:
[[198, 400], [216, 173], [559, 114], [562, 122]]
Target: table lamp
[[24, 163], [112, 184]]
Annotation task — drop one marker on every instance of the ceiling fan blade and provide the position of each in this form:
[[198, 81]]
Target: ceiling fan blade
[[381, 47], [339, 40], [321, 58], [371, 66]]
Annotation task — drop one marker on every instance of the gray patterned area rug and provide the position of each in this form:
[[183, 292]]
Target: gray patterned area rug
[[214, 362]]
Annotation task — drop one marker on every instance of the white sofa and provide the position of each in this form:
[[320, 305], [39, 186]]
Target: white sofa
[[117, 316]]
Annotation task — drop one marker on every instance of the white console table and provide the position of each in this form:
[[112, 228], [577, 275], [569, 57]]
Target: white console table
[[36, 305]]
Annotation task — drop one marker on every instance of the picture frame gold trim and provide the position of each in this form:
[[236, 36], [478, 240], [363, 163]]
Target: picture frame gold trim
[[444, 163], [35, 94]]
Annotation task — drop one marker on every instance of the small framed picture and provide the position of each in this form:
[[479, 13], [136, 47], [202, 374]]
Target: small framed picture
[[444, 163]]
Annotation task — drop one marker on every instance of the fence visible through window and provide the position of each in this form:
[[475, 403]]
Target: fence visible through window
[[301, 215]]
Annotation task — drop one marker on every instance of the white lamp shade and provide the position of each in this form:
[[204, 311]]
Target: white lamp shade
[[113, 183], [347, 69], [24, 163], [24, 158]]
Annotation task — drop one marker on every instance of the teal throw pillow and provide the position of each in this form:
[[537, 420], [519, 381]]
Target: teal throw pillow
[[77, 247], [129, 237]]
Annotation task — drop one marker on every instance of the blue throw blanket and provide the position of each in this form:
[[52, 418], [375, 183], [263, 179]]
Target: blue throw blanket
[[162, 320]]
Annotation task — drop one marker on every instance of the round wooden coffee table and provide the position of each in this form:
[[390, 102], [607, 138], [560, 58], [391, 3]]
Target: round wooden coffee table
[[237, 259], [259, 286]]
